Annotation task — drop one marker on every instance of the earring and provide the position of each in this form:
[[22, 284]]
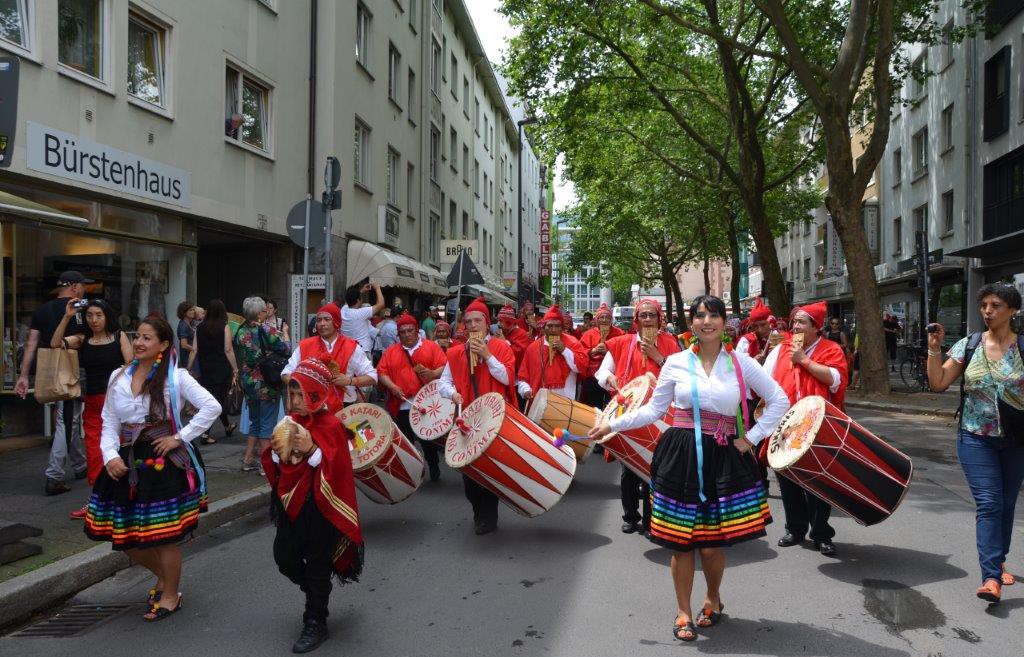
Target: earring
[[726, 341], [156, 365]]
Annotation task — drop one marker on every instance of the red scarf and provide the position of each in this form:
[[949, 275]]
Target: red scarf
[[397, 365], [340, 354], [332, 484], [591, 339], [630, 361], [458, 363], [755, 345], [519, 340], [798, 382], [536, 371]]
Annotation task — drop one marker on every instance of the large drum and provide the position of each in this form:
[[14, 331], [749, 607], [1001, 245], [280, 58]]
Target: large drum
[[633, 447], [501, 449], [386, 465], [824, 451], [554, 411], [431, 415]]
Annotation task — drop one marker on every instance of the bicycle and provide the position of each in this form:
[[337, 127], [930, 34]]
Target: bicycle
[[913, 368]]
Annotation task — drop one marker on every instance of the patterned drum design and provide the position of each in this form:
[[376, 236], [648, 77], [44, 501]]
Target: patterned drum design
[[431, 415], [633, 447], [386, 465]]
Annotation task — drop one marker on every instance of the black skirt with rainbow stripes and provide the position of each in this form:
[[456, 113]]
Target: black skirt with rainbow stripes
[[736, 502], [163, 508]]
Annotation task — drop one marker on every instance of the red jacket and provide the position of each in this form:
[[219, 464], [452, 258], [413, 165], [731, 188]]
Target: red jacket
[[536, 371], [798, 382], [591, 339], [630, 361], [397, 365], [458, 363]]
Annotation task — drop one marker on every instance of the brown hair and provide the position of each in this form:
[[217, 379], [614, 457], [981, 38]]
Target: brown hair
[[154, 386]]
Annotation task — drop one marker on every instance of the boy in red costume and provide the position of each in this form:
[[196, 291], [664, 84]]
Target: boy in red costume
[[755, 343]]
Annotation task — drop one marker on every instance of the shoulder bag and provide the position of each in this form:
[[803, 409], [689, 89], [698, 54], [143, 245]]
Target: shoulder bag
[[270, 364]]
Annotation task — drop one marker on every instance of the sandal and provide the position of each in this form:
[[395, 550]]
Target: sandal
[[154, 596], [230, 429], [1007, 578], [157, 613], [685, 631], [208, 439], [990, 591], [708, 618]]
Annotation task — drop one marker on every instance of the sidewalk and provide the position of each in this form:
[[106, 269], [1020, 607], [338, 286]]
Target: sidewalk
[[942, 404]]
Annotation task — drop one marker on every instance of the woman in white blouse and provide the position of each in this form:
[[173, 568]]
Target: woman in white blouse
[[706, 493], [153, 486]]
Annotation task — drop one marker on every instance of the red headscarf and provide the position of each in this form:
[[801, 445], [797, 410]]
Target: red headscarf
[[816, 311], [445, 325], [760, 312], [334, 311], [478, 306], [405, 319], [314, 378], [602, 310], [636, 309], [554, 314]]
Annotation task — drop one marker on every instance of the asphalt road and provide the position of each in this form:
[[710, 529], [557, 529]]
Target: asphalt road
[[569, 583]]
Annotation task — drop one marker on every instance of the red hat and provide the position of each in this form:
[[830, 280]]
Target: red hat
[[636, 308], [760, 312], [314, 378], [478, 306], [554, 314], [816, 311], [602, 310], [443, 325], [334, 311], [567, 317], [507, 314], [405, 319]]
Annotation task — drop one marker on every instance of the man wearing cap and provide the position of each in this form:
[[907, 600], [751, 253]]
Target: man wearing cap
[[811, 366], [755, 343], [595, 342], [516, 337], [494, 372], [628, 357], [404, 369], [354, 368], [67, 433], [552, 362]]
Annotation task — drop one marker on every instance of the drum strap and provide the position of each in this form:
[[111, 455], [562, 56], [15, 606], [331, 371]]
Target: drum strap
[[691, 361]]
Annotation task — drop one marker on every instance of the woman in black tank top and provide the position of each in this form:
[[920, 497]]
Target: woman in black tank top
[[100, 352]]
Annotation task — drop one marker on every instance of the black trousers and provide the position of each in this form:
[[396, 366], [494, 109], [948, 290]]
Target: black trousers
[[592, 394], [218, 386], [805, 511], [431, 450], [635, 492], [485, 503], [304, 550]]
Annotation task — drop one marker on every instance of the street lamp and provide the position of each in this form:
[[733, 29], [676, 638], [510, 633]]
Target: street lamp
[[519, 246]]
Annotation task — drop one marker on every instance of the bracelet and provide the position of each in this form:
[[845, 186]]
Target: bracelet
[[934, 353]]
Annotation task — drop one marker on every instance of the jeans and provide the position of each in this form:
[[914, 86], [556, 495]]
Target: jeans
[[262, 417], [994, 468], [65, 444]]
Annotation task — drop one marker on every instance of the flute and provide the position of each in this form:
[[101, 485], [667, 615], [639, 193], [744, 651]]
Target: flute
[[649, 334], [552, 341], [473, 335], [604, 331]]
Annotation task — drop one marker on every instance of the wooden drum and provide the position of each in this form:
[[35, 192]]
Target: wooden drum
[[554, 411], [633, 447]]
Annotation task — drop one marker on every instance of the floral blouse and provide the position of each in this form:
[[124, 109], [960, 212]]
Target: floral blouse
[[248, 351], [984, 382]]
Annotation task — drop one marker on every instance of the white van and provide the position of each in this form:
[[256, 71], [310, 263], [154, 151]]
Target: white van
[[622, 316]]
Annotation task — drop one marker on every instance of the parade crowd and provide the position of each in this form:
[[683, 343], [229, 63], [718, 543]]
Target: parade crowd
[[715, 395]]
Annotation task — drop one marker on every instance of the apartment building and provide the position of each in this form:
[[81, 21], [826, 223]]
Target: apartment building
[[572, 287]]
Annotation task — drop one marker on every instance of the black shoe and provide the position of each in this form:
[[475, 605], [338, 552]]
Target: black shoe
[[435, 472], [54, 487], [314, 633], [481, 527], [82, 474], [789, 540], [826, 547], [630, 527]]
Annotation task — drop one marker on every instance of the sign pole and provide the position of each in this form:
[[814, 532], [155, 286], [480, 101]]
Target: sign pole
[[328, 220], [458, 298], [305, 265]]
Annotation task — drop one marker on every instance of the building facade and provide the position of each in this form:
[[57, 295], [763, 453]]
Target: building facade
[[572, 287]]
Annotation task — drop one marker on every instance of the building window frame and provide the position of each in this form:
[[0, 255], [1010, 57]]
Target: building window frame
[[413, 96], [364, 41], [919, 152], [102, 81], [435, 153], [27, 48], [948, 213], [245, 77], [947, 128], [392, 173], [996, 94], [411, 210], [361, 162], [163, 35], [897, 236], [435, 66], [453, 147]]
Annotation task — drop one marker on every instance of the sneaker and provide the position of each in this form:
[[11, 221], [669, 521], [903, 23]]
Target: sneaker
[[55, 487], [248, 466], [79, 514], [259, 468]]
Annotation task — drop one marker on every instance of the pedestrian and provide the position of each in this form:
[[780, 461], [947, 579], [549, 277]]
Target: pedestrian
[[387, 333], [153, 486], [630, 356], [756, 343], [494, 372], [805, 364], [353, 368], [891, 327], [516, 337], [405, 368], [836, 333], [185, 332], [275, 321], [553, 363], [595, 342], [356, 315], [67, 431], [215, 352], [990, 440], [102, 351], [252, 341], [855, 374], [732, 328], [588, 323], [705, 484], [314, 498], [429, 322]]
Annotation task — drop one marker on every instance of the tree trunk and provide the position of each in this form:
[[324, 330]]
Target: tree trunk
[[707, 275], [774, 285], [667, 279], [681, 323], [734, 260]]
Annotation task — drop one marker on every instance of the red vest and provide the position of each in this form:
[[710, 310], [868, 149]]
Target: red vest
[[630, 361], [591, 339], [536, 371], [396, 365], [342, 352], [458, 363]]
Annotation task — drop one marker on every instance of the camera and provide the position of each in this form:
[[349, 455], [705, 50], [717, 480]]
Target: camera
[[80, 304], [932, 328]]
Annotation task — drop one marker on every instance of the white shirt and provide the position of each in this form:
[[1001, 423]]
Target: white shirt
[[718, 392], [355, 323], [773, 359], [569, 389], [123, 407], [446, 385], [358, 365], [313, 460]]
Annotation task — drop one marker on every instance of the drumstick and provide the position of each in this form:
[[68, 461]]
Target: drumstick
[[562, 436], [413, 406]]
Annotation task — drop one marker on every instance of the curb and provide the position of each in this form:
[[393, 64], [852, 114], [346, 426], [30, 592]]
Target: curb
[[51, 584], [897, 408]]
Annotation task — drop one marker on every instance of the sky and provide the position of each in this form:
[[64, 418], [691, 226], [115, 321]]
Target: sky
[[495, 32]]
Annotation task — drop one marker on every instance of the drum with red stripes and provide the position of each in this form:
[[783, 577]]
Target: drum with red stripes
[[501, 449], [386, 465], [828, 454], [431, 415], [633, 447]]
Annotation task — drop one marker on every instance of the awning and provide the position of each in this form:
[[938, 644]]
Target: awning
[[491, 295], [22, 207], [1005, 248], [390, 269]]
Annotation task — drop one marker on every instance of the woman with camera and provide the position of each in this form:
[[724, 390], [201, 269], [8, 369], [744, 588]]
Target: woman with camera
[[990, 441], [100, 352]]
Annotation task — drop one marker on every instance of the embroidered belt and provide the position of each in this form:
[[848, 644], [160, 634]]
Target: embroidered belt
[[721, 426], [148, 432]]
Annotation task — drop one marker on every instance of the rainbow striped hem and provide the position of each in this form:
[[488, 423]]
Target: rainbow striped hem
[[142, 525], [731, 519]]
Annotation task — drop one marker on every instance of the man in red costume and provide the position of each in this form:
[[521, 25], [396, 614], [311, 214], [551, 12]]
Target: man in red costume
[[314, 497], [404, 368], [595, 342], [815, 367], [755, 343], [354, 369], [628, 357], [552, 367], [443, 334], [526, 321], [494, 372], [514, 334]]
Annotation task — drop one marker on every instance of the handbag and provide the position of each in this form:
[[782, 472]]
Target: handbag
[[1011, 420], [234, 399], [57, 375], [270, 364]]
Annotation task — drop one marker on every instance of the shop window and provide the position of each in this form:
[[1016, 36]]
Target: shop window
[[81, 36], [996, 117], [247, 103], [14, 25], [146, 57], [361, 149]]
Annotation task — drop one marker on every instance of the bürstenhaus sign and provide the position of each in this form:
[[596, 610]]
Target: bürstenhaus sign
[[70, 156]]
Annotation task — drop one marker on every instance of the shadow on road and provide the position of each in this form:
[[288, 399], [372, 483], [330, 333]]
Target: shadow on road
[[737, 555], [911, 567]]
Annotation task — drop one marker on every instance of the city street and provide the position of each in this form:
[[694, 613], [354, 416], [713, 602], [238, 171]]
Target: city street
[[569, 583]]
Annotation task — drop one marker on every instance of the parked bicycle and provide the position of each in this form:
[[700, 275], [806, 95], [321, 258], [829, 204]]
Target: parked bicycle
[[913, 368]]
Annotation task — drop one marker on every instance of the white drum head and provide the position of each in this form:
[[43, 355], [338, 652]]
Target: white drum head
[[796, 432], [538, 405], [480, 423], [636, 394], [372, 427], [431, 416]]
